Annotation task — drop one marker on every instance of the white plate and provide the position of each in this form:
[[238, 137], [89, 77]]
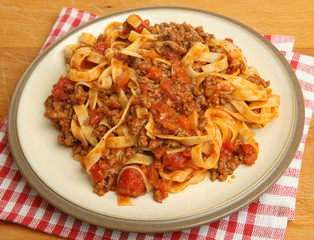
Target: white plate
[[52, 171]]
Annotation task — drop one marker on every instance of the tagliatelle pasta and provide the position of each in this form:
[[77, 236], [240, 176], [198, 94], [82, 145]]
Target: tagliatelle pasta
[[156, 108]]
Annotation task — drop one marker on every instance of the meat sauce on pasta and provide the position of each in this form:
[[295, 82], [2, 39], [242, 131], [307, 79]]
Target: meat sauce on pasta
[[158, 107]]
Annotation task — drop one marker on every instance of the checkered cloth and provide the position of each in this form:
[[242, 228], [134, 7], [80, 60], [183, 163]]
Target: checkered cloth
[[266, 218]]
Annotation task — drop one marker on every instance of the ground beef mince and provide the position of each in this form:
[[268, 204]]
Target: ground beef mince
[[232, 154], [178, 38], [258, 81], [216, 91], [108, 183], [60, 113]]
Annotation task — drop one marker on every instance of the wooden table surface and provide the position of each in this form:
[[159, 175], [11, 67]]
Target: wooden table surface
[[25, 26]]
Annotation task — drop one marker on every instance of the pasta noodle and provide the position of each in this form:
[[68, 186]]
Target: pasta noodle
[[158, 107]]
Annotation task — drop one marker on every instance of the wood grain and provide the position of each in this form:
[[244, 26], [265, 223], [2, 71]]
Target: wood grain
[[25, 26]]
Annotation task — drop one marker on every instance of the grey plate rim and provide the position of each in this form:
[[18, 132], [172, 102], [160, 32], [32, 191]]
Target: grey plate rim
[[160, 225]]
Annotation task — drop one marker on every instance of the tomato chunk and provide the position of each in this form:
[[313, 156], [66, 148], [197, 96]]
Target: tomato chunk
[[165, 115], [145, 24], [164, 110], [167, 86], [103, 164], [171, 124], [229, 146], [131, 183], [59, 91], [101, 47], [95, 116], [123, 79], [175, 159], [229, 40], [97, 170], [181, 75], [170, 89], [136, 23], [154, 73], [151, 54], [226, 151], [249, 154], [185, 123]]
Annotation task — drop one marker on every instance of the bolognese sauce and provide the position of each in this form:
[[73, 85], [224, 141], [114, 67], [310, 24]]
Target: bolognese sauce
[[157, 106]]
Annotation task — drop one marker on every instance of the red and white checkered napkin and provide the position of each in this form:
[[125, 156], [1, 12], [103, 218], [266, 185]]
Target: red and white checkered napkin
[[266, 218]]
